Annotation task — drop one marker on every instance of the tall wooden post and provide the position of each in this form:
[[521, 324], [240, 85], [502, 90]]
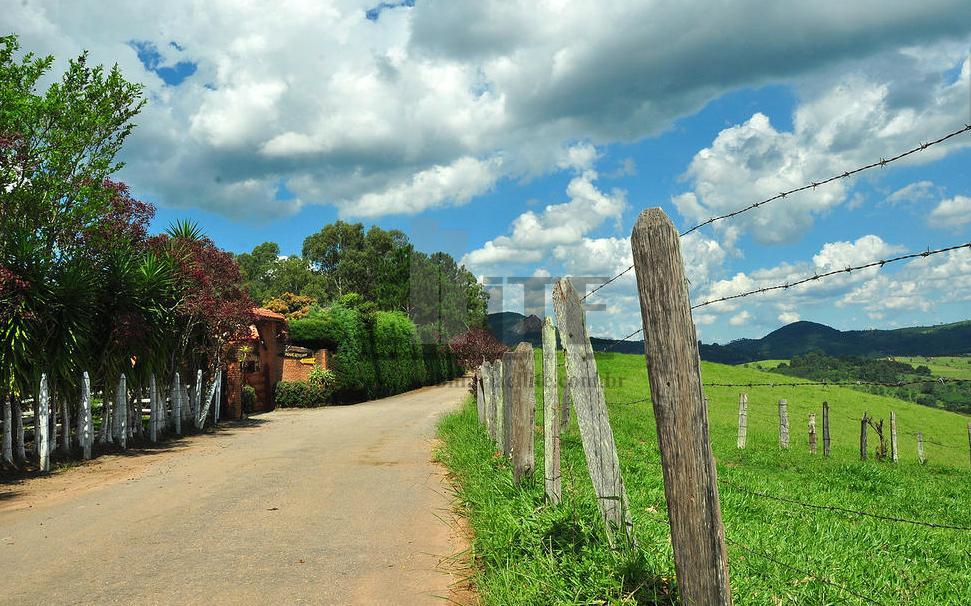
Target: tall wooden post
[[742, 420], [674, 371], [590, 406], [565, 407], [825, 429], [490, 409], [812, 433], [920, 448], [863, 424], [506, 407], [479, 394], [551, 413], [520, 389], [42, 425], [497, 382], [86, 426], [783, 424], [894, 455]]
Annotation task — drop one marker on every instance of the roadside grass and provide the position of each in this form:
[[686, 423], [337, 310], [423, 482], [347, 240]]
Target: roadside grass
[[532, 553]]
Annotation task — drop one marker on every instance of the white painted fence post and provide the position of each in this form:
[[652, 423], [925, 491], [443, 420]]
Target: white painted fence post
[[152, 410], [177, 404], [86, 426], [42, 425], [894, 455], [121, 412]]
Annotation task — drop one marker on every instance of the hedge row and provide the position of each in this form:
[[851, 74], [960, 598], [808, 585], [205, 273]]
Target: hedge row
[[375, 354]]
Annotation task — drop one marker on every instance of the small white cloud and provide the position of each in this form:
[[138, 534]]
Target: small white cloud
[[952, 213], [788, 317], [740, 318], [921, 191]]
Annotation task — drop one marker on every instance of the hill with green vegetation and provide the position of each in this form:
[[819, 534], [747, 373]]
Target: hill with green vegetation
[[530, 552], [802, 337], [909, 380]]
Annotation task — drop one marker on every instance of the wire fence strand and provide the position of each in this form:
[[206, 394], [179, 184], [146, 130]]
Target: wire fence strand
[[837, 509], [816, 276], [811, 185]]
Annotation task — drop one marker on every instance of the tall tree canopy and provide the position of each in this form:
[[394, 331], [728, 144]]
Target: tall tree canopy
[[382, 266]]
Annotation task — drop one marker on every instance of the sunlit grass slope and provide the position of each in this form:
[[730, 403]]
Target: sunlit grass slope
[[533, 553]]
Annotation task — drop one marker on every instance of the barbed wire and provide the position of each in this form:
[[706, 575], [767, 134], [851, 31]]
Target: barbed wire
[[816, 276], [801, 571], [811, 185], [841, 509], [846, 174], [941, 380]]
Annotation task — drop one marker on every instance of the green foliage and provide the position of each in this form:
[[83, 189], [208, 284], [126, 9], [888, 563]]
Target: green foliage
[[248, 398], [534, 553], [398, 356], [323, 380], [300, 394]]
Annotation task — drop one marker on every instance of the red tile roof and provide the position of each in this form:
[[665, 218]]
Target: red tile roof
[[262, 312]]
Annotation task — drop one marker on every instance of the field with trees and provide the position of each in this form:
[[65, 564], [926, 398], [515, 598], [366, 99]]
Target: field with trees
[[835, 528]]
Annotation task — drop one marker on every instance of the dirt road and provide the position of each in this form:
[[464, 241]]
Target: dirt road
[[338, 505]]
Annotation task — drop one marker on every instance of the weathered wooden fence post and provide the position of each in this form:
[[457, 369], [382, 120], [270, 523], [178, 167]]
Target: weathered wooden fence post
[[86, 426], [812, 433], [551, 421], [894, 455], [479, 394], [498, 373], [507, 418], [920, 448], [825, 429], [42, 425], [674, 372], [742, 420], [565, 406], [7, 432], [863, 424], [783, 424], [487, 396], [590, 407], [177, 404], [520, 388]]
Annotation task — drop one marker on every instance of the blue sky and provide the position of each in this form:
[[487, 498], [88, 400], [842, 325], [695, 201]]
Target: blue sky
[[525, 138]]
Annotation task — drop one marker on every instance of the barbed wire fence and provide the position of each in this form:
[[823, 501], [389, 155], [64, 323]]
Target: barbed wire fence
[[788, 286]]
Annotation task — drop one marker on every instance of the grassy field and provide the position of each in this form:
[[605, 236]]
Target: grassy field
[[532, 553], [944, 366]]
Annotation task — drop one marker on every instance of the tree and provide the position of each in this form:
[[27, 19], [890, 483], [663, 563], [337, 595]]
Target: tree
[[475, 346], [258, 269]]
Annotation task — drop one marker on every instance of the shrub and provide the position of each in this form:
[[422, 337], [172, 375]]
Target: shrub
[[248, 398], [398, 358], [300, 394], [323, 381]]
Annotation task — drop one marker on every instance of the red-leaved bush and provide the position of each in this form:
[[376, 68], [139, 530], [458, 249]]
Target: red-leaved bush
[[475, 346]]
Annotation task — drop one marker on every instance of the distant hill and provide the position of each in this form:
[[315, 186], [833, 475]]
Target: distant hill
[[796, 338]]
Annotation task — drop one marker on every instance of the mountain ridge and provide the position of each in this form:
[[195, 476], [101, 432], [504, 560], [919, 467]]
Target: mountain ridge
[[792, 339]]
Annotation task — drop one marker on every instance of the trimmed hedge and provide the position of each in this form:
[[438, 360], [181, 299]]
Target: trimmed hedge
[[397, 353], [307, 394], [375, 354]]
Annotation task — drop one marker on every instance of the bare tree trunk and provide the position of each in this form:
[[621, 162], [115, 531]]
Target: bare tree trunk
[[66, 428], [18, 431], [197, 398], [121, 409], [204, 409], [7, 432], [104, 435]]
